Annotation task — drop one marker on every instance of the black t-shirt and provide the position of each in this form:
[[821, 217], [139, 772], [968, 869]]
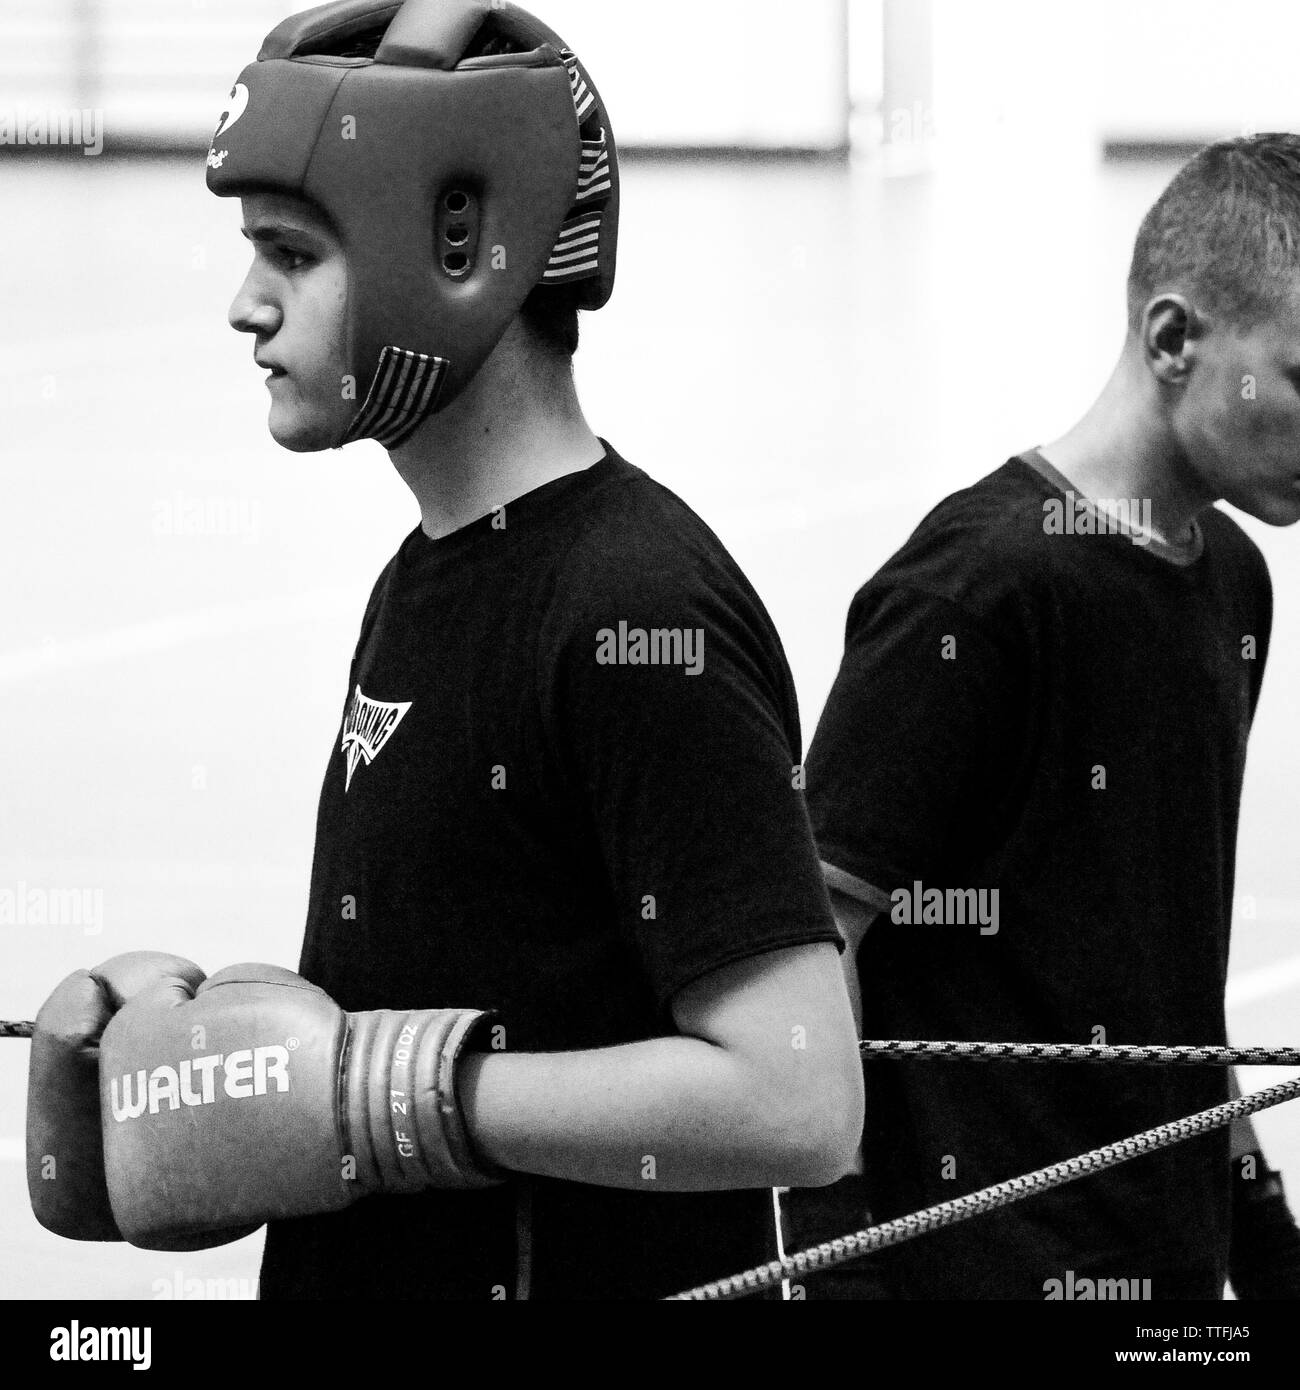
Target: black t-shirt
[[1062, 718], [512, 821]]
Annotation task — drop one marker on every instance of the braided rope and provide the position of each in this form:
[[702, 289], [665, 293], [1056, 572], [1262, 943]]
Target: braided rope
[[850, 1247], [1088, 1052], [853, 1246], [1022, 1052]]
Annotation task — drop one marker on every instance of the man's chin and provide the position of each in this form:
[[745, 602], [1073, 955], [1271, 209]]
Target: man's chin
[[301, 436], [1272, 510]]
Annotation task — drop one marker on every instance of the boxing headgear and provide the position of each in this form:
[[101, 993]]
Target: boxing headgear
[[457, 184]]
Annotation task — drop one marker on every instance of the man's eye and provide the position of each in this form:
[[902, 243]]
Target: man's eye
[[288, 258]]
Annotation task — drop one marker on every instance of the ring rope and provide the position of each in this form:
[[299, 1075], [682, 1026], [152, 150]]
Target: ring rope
[[1088, 1052], [857, 1244], [1022, 1052], [849, 1247], [1157, 1054]]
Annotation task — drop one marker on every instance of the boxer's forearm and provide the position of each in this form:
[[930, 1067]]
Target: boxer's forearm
[[672, 1114]]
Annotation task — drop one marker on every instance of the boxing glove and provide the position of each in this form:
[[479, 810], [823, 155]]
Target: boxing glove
[[65, 1159], [258, 1099]]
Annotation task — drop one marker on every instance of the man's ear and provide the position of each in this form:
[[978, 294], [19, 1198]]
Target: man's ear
[[1170, 329]]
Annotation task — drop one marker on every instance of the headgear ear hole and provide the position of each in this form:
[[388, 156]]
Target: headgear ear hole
[[456, 232]]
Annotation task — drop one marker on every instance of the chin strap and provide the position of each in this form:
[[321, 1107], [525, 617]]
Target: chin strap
[[404, 391]]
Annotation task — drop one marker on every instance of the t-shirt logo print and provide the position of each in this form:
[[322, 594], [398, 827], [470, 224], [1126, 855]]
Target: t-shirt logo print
[[368, 726]]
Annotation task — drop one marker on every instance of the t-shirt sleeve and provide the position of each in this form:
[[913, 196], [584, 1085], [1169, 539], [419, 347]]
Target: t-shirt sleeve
[[918, 743], [687, 768]]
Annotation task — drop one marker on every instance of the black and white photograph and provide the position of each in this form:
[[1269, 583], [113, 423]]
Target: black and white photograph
[[649, 652]]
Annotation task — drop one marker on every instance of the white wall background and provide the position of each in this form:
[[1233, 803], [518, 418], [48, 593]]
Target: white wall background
[[739, 72], [1058, 76], [675, 72]]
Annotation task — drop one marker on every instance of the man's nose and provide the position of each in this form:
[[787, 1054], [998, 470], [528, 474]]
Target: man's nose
[[252, 312]]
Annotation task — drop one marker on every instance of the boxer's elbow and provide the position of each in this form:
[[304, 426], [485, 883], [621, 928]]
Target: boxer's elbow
[[818, 1128], [784, 1023], [802, 1114]]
